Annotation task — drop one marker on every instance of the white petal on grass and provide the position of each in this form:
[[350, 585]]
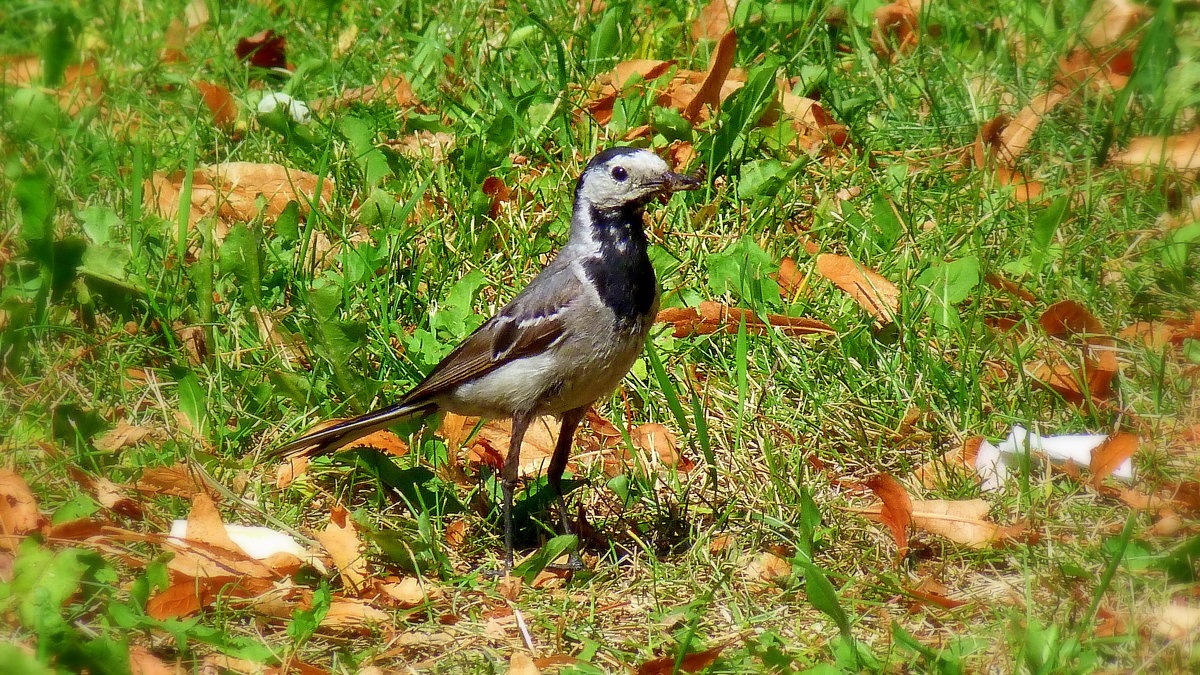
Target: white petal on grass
[[259, 543], [298, 110], [994, 461]]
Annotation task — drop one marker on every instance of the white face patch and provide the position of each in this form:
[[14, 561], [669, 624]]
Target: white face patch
[[623, 178]]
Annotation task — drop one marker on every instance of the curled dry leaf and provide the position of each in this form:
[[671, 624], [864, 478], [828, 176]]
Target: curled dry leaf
[[712, 317], [767, 567], [500, 193], [713, 21], [125, 435], [1174, 153], [655, 438], [340, 539], [896, 30], [869, 289], [611, 85], [712, 89], [80, 88], [896, 510], [961, 521], [176, 480], [1111, 454], [352, 615], [520, 663], [492, 441], [1109, 21], [231, 192], [1070, 321], [456, 534], [693, 662], [207, 550], [108, 494], [220, 104], [1015, 136], [19, 514], [432, 145], [263, 50], [1105, 57], [392, 89], [291, 469], [409, 591]]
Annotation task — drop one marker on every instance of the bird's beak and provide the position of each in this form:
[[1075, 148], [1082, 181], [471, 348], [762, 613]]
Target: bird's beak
[[675, 182]]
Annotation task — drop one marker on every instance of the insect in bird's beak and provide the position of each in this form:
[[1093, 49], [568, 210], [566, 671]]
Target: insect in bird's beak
[[676, 182]]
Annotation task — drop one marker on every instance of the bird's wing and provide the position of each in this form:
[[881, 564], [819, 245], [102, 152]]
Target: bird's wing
[[528, 325]]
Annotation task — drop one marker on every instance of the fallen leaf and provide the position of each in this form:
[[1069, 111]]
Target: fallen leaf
[[392, 89], [520, 664], [19, 514], [510, 587], [291, 469], [710, 90], [263, 50], [1066, 321], [895, 31], [456, 534], [655, 438], [958, 460], [768, 567], [692, 662], [1015, 136], [1174, 622], [713, 21], [207, 551], [78, 530], [220, 104], [791, 281], [1179, 153], [432, 145], [500, 193], [176, 480], [340, 539], [1109, 21], [108, 494], [870, 290], [712, 317], [352, 615], [934, 592], [961, 521], [124, 435], [409, 592], [611, 85], [896, 511], [236, 192], [1112, 454], [182, 598], [385, 441], [142, 661], [491, 444]]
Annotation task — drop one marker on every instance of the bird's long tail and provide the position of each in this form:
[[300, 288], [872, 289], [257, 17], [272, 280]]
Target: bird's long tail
[[327, 440]]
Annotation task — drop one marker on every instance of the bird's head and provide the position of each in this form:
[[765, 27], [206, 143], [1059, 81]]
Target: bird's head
[[619, 178]]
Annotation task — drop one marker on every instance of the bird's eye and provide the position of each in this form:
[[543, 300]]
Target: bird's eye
[[619, 174]]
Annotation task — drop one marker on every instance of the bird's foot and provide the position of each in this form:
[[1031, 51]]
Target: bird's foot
[[574, 563]]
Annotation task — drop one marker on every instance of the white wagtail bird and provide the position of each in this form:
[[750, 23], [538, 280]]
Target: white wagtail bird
[[563, 343]]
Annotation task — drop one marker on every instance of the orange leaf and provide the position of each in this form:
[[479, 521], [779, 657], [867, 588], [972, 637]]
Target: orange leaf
[[789, 278], [656, 438], [181, 599], [1016, 135], [1174, 153], [142, 661], [713, 316], [713, 20], [19, 514], [1111, 454], [768, 567], [961, 521], [709, 92], [220, 103], [896, 512], [340, 539], [690, 663], [895, 30], [873, 292]]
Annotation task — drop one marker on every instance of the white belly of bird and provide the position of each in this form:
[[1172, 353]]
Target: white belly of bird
[[547, 384]]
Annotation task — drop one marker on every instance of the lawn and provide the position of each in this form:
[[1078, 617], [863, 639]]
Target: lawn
[[924, 228]]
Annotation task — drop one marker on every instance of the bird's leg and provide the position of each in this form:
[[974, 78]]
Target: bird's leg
[[509, 482], [558, 463]]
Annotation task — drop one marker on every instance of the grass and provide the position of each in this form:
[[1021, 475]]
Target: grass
[[95, 287]]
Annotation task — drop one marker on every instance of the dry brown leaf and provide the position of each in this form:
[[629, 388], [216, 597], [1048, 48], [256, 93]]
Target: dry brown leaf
[[352, 615], [231, 192], [896, 510], [456, 534], [714, 19], [142, 661], [19, 514], [177, 480], [500, 193], [767, 567], [962, 521], [220, 104], [1111, 454], [1070, 321], [1109, 21], [409, 591], [124, 435], [655, 438], [510, 587], [340, 539], [108, 494], [78, 530], [383, 440], [611, 85], [392, 89], [712, 317], [693, 662], [521, 664], [869, 289], [957, 460], [1015, 136], [791, 281], [267, 49], [1179, 153], [709, 93], [1174, 622], [208, 552], [291, 469], [492, 441], [432, 145], [182, 598], [895, 31]]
